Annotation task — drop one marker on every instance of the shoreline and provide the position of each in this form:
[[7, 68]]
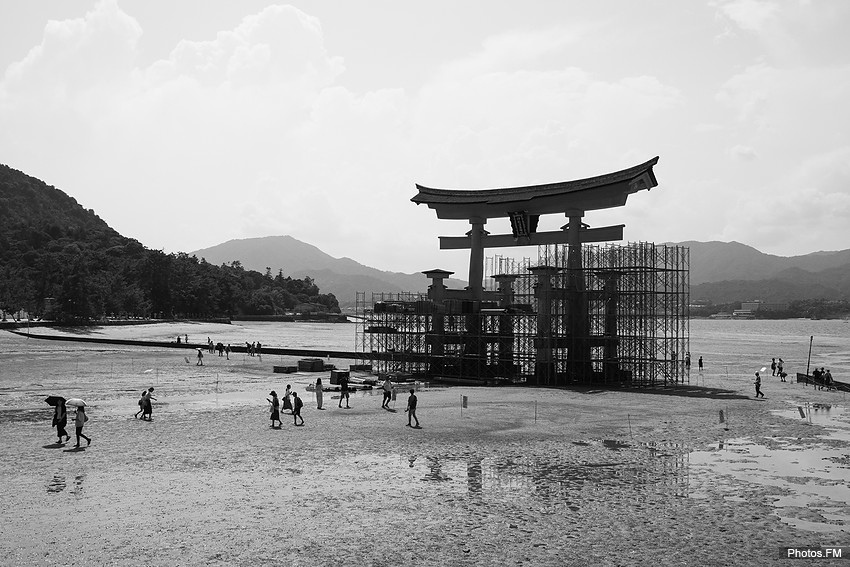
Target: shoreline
[[567, 477]]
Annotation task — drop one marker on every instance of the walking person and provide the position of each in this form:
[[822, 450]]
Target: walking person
[[758, 386], [411, 409], [319, 394], [60, 420], [275, 413], [297, 404], [773, 366], [343, 391], [141, 405], [227, 351], [387, 387], [287, 401], [699, 364], [779, 366], [200, 358], [80, 421], [148, 406]]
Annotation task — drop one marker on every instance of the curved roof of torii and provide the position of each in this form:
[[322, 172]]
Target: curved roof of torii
[[601, 192]]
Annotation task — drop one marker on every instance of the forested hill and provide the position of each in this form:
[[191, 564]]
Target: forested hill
[[52, 247]]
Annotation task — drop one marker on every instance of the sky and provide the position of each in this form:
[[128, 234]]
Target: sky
[[189, 123]]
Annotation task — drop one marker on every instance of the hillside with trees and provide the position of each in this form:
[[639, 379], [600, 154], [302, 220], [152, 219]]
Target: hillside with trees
[[57, 256]]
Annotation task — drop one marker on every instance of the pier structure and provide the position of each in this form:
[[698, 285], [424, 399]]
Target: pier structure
[[587, 312]]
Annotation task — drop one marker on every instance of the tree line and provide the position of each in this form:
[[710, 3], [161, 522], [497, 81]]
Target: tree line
[[90, 274], [62, 261]]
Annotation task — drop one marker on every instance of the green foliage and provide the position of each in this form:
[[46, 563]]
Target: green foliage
[[50, 247]]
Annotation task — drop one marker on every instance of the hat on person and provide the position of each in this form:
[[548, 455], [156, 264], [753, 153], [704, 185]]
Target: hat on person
[[272, 393]]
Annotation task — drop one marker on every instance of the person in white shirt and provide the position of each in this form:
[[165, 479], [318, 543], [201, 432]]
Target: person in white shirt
[[80, 421], [387, 386]]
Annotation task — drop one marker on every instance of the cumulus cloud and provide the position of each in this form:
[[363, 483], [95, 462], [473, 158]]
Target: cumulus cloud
[[751, 15], [790, 215], [251, 132], [742, 152]]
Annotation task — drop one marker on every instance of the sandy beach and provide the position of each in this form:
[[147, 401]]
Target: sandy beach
[[521, 476]]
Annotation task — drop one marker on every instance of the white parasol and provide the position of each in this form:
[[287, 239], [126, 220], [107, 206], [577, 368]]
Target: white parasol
[[75, 402]]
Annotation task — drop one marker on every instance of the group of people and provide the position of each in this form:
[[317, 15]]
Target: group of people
[[60, 420], [145, 405], [291, 402], [295, 403], [823, 378], [218, 347], [253, 349], [777, 369]]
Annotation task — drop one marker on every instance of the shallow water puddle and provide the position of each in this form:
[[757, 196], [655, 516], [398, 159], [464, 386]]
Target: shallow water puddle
[[58, 484], [555, 479], [814, 476]]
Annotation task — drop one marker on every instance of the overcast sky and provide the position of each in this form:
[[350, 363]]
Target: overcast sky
[[189, 123]]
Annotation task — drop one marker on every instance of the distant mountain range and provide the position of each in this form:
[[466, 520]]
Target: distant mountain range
[[720, 272], [45, 233], [342, 277], [727, 272]]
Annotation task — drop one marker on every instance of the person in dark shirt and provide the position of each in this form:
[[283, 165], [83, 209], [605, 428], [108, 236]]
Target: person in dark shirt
[[411, 409], [343, 391], [758, 386], [297, 404]]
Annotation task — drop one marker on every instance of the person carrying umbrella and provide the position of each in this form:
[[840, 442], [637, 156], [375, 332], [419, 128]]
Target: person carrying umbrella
[[60, 416], [81, 420]]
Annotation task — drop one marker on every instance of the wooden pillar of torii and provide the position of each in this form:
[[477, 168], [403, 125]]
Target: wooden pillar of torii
[[524, 206]]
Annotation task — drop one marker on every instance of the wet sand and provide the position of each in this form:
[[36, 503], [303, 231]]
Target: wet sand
[[520, 477]]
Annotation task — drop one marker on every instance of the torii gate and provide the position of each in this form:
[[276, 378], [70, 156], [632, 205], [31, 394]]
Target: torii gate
[[523, 206]]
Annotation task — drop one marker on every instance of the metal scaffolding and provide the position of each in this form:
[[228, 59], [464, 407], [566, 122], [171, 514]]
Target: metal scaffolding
[[616, 315]]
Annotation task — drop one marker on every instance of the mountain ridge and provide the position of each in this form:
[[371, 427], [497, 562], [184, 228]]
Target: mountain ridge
[[720, 272], [343, 277]]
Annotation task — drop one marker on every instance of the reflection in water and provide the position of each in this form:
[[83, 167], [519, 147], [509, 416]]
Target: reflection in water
[[436, 470], [78, 484], [817, 496], [557, 479], [58, 484], [614, 445]]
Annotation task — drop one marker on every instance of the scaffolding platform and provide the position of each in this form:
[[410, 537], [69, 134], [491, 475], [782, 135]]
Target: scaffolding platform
[[618, 319]]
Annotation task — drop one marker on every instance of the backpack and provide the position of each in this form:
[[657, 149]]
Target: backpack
[[298, 403]]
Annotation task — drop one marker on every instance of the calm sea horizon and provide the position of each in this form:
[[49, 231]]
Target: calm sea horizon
[[733, 347]]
